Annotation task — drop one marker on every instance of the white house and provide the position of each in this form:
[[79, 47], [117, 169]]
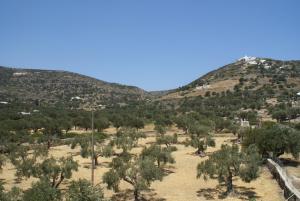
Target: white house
[[25, 113], [76, 98]]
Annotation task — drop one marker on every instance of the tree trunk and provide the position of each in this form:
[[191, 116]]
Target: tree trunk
[[136, 195], [48, 144], [158, 163], [200, 152], [96, 160], [60, 180], [229, 183]]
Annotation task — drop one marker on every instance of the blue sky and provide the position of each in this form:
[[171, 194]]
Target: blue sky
[[156, 45]]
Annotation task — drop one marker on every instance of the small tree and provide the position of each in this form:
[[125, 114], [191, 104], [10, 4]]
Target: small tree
[[42, 190], [229, 162], [274, 140], [37, 165], [101, 149], [83, 190], [167, 140], [161, 129], [159, 154], [136, 171], [55, 171], [101, 123], [15, 194], [127, 138], [200, 138]]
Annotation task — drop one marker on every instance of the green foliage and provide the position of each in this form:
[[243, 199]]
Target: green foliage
[[136, 171], [101, 123], [15, 194], [37, 165], [161, 129], [83, 190], [229, 162], [42, 190], [167, 139], [159, 154], [55, 171], [127, 138], [274, 140]]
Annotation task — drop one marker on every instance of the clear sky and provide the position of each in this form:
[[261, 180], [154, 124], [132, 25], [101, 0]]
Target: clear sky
[[153, 44]]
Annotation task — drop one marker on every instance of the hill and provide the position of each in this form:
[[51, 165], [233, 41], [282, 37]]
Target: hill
[[247, 73], [53, 87]]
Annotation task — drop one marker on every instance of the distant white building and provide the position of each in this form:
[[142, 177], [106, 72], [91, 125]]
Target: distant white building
[[19, 73], [247, 58], [298, 94], [102, 106], [25, 113], [245, 123], [76, 98], [252, 62], [3, 102], [202, 87]]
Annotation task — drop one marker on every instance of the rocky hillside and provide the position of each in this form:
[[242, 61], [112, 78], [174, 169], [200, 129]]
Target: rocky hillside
[[52, 87], [247, 73]]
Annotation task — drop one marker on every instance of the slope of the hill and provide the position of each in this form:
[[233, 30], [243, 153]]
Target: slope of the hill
[[247, 73], [49, 86]]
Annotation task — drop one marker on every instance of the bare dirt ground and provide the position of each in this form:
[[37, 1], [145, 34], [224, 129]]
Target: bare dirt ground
[[180, 184], [218, 87]]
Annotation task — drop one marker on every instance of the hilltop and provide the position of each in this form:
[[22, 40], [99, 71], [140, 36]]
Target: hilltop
[[52, 87], [247, 73]]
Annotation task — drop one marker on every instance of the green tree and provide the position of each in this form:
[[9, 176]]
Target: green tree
[[42, 190], [159, 154], [229, 162], [36, 164], [127, 138], [83, 190], [161, 129], [274, 140], [167, 140], [15, 194], [136, 171], [100, 148], [55, 171], [200, 138], [101, 123]]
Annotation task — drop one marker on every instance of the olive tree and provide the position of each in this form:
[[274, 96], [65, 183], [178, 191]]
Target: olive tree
[[274, 140], [42, 190], [229, 162], [159, 154], [38, 165], [139, 172], [83, 190], [200, 138], [101, 148]]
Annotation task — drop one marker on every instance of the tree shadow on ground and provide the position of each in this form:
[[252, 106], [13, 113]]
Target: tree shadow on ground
[[87, 165], [127, 195], [219, 192], [289, 162], [167, 172]]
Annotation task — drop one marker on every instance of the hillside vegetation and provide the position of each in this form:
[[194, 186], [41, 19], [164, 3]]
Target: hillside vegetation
[[52, 87], [247, 73]]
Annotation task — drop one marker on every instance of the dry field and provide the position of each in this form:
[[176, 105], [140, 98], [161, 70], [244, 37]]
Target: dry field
[[180, 184], [218, 87]]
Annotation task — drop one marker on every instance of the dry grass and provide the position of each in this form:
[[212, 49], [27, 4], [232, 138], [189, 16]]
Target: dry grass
[[180, 184], [218, 87]]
